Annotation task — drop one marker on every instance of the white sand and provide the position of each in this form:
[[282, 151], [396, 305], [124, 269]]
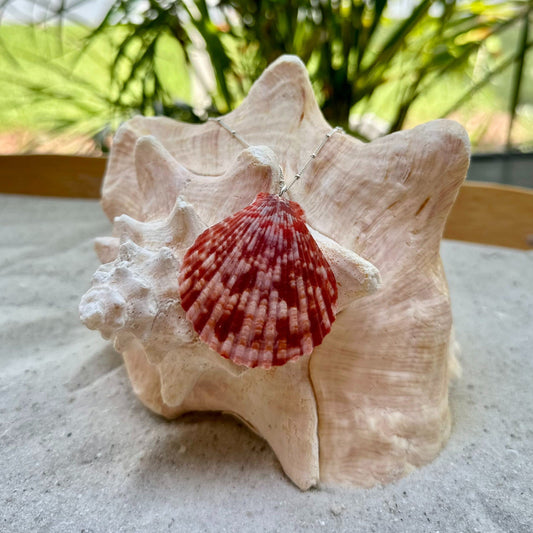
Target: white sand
[[80, 453]]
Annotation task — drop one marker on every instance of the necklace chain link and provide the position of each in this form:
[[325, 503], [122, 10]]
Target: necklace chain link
[[283, 188]]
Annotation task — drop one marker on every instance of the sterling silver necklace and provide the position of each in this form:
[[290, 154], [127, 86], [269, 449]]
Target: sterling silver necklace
[[255, 286], [283, 188]]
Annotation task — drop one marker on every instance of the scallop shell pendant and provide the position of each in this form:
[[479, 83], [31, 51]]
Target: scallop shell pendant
[[256, 286]]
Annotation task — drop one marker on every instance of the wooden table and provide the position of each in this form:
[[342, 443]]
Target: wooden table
[[484, 213]]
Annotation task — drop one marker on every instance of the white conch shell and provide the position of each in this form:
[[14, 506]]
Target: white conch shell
[[371, 402], [135, 300]]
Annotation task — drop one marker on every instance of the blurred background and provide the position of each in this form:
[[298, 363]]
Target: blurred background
[[72, 70]]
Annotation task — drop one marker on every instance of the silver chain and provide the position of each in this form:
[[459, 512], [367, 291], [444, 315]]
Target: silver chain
[[230, 130], [298, 175]]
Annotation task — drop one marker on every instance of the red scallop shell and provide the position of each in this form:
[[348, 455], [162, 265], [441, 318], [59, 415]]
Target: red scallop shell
[[256, 286]]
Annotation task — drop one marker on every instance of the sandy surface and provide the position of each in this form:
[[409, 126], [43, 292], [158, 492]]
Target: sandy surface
[[79, 453]]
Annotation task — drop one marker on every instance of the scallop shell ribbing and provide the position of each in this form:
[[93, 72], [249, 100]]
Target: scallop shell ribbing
[[256, 286]]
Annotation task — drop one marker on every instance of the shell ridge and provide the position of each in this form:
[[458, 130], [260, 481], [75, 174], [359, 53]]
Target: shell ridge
[[247, 242], [318, 288], [288, 325], [290, 271], [326, 292], [257, 307], [245, 239], [211, 283], [327, 287], [310, 280], [193, 268], [237, 219], [242, 276], [302, 302], [279, 307]]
